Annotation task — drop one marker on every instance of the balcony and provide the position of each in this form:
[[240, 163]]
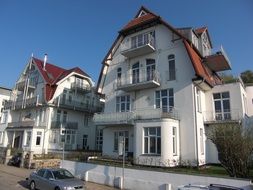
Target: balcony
[[128, 118], [21, 84], [80, 88], [21, 104], [138, 45], [78, 105], [27, 123], [138, 82], [65, 125], [220, 117], [119, 118], [218, 61]]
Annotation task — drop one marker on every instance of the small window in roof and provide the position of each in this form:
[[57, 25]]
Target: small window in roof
[[142, 13]]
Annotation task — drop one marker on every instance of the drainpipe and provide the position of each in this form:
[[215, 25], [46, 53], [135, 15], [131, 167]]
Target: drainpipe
[[195, 126]]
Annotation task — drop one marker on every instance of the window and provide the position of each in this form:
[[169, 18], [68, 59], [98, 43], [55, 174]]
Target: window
[[119, 73], [201, 135], [164, 99], [222, 106], [152, 140], [28, 138], [118, 134], [48, 174], [135, 73], [174, 140], [54, 136], [85, 141], [69, 136], [172, 67], [99, 139], [38, 138], [4, 117], [58, 116], [1, 137], [41, 172], [150, 63], [64, 119], [198, 94], [86, 120], [123, 103]]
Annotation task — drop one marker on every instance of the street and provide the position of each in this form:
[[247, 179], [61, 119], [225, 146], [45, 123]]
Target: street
[[13, 178]]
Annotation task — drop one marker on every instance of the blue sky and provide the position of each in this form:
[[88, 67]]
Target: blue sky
[[79, 32]]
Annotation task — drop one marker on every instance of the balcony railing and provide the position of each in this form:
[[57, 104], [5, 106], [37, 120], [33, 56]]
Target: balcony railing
[[138, 45], [60, 124], [27, 123], [218, 60], [79, 87], [219, 116], [142, 80], [22, 104], [78, 105], [21, 84], [114, 118], [128, 118]]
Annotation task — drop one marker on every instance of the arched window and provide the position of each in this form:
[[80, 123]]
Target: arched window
[[172, 67]]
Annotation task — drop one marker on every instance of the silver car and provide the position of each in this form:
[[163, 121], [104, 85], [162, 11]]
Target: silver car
[[54, 179]]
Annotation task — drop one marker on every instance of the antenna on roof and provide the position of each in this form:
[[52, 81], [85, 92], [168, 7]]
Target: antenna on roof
[[45, 62]]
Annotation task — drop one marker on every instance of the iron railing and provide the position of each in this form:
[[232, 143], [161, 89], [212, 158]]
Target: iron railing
[[225, 115]]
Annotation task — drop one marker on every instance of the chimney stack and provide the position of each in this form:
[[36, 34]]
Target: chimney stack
[[45, 62]]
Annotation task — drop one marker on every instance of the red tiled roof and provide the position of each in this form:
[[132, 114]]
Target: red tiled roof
[[139, 21], [201, 70], [53, 74], [200, 30]]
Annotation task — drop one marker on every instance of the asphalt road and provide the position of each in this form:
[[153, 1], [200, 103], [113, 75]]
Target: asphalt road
[[13, 178]]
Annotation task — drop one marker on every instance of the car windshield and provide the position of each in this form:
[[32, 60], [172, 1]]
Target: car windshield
[[62, 174]]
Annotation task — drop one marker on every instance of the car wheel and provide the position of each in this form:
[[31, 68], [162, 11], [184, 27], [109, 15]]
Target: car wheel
[[57, 188], [32, 185]]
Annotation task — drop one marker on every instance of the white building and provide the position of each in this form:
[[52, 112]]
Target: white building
[[4, 96], [49, 104], [162, 91]]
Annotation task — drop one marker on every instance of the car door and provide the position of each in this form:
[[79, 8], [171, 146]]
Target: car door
[[38, 177], [47, 183]]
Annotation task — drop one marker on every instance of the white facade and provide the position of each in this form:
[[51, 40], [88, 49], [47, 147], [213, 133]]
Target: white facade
[[4, 96], [50, 105], [159, 94]]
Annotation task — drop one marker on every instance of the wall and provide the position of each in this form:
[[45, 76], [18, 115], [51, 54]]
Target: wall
[[142, 179], [249, 90]]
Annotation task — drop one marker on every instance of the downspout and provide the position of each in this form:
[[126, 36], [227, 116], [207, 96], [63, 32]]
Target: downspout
[[195, 126]]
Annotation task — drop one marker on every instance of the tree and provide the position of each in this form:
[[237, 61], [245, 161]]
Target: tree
[[228, 78], [247, 76], [234, 143]]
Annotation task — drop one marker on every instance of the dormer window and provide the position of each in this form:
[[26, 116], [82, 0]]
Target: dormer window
[[142, 13]]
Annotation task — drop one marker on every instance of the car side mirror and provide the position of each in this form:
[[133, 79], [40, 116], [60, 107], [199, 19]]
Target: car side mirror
[[51, 179]]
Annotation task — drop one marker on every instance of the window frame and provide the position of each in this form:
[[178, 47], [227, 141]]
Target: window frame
[[38, 138], [172, 67], [123, 103], [198, 99], [201, 139], [161, 98], [174, 140], [118, 134], [220, 98], [147, 136]]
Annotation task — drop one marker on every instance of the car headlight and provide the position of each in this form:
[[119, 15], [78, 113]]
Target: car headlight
[[69, 188]]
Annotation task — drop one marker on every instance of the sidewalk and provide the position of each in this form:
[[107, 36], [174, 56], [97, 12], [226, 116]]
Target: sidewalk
[[20, 174]]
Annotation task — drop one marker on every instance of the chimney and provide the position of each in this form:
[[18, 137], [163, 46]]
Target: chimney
[[45, 62]]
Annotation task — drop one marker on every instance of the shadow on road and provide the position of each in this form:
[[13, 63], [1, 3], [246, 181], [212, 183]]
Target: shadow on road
[[23, 183]]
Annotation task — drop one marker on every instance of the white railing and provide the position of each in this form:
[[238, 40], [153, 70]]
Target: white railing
[[135, 42], [138, 114], [80, 86], [227, 115], [142, 77], [20, 103]]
